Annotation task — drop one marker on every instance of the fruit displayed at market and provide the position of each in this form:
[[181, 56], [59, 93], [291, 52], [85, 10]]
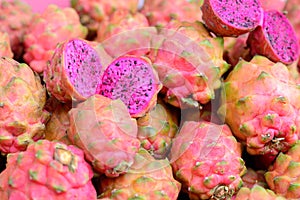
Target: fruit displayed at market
[[206, 159], [22, 98], [283, 176], [147, 178], [74, 70], [275, 38], [149, 99], [46, 30], [47, 170], [261, 106], [15, 17], [133, 80], [5, 48], [231, 18], [103, 128]]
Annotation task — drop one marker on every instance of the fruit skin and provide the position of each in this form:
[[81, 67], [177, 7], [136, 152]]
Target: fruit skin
[[46, 30], [254, 177], [274, 5], [107, 134], [160, 12], [261, 106], [241, 16], [62, 78], [206, 159], [147, 178], [275, 38], [283, 176], [189, 63], [256, 192], [22, 98], [15, 17], [47, 170], [133, 80], [5, 49], [157, 129]]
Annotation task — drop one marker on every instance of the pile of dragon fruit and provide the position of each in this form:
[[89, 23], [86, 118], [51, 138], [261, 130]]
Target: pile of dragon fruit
[[149, 100]]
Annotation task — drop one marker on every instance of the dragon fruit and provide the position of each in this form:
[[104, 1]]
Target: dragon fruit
[[133, 80], [232, 18], [255, 193], [74, 70], [93, 12], [206, 159], [105, 131], [261, 105], [46, 30], [5, 49], [274, 5], [254, 177], [161, 12], [189, 63], [283, 176], [15, 17], [275, 39], [157, 129], [47, 170], [22, 98], [147, 178]]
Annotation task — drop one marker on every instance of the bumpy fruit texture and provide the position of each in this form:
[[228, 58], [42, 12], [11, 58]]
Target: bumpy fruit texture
[[161, 12], [15, 17], [275, 39], [274, 5], [147, 178], [74, 70], [22, 98], [255, 193], [46, 30], [5, 48], [206, 159], [47, 170], [157, 129], [105, 131], [261, 106], [93, 12], [283, 176], [133, 80], [58, 124], [189, 63], [254, 177], [231, 18]]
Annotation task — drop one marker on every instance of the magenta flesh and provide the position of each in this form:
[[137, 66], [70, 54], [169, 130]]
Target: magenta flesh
[[83, 66], [130, 79]]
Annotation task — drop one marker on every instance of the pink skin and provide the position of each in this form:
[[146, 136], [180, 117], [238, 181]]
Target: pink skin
[[40, 6]]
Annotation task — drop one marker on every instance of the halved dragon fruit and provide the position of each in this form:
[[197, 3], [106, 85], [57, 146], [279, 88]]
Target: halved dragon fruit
[[231, 18], [133, 80], [74, 70], [275, 39]]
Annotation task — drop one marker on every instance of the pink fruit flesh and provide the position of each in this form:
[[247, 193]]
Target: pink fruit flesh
[[130, 79], [83, 66]]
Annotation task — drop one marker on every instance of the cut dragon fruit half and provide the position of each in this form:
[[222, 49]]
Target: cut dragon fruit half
[[83, 66], [133, 80]]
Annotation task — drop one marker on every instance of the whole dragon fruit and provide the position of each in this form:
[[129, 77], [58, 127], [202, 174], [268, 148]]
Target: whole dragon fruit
[[5, 48], [157, 129], [107, 134], [261, 106], [189, 63], [47, 170], [161, 12], [74, 70], [147, 178], [283, 176], [15, 18], [22, 98], [46, 30], [231, 18], [133, 80], [275, 38], [206, 159]]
